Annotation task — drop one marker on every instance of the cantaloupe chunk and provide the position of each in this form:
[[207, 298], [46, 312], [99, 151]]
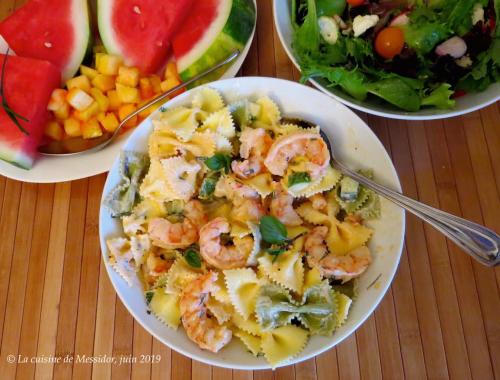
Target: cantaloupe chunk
[[146, 88], [114, 100], [156, 83], [72, 127], [87, 113], [127, 94], [54, 130], [88, 72], [110, 122], [100, 98], [104, 82], [126, 110], [82, 82], [108, 64], [91, 129], [128, 76]]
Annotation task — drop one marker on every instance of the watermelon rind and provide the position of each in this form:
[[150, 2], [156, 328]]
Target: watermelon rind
[[15, 156], [229, 32], [106, 31], [83, 38]]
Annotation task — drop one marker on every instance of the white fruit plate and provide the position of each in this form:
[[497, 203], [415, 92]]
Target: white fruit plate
[[354, 143], [464, 104], [60, 169]]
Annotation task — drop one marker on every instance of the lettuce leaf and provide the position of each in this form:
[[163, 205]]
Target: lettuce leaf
[[440, 97], [397, 92]]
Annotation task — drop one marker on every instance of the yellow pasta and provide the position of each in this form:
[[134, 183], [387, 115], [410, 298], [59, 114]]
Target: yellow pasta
[[252, 343], [206, 101], [343, 237], [261, 183], [166, 307], [181, 121], [243, 286], [269, 112], [221, 311], [286, 270], [221, 123], [284, 343], [179, 275], [250, 325]]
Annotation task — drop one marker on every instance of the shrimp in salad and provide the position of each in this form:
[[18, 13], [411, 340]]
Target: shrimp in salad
[[304, 144], [167, 234], [342, 267], [281, 207], [201, 328], [221, 256], [255, 143], [231, 188]]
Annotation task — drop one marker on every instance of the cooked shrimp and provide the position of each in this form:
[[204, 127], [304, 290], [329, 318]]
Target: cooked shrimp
[[247, 209], [155, 267], [202, 329], [223, 256], [170, 235], [344, 267], [306, 144], [315, 245], [282, 207], [347, 266], [194, 211], [230, 188], [255, 144], [318, 202]]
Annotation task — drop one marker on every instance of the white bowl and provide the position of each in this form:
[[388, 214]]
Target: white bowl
[[465, 104], [354, 143], [50, 169]]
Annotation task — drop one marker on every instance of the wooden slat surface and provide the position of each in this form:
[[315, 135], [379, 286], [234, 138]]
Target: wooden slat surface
[[440, 318]]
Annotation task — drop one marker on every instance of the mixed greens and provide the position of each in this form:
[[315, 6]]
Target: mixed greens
[[411, 54]]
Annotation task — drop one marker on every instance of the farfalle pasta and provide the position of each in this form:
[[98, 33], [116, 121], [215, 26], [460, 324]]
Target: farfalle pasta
[[236, 225]]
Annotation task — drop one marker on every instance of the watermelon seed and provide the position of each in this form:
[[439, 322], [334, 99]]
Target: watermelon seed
[[47, 44], [137, 9]]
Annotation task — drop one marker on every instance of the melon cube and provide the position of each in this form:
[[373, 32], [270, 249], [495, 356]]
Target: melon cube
[[103, 82], [156, 83], [57, 99], [58, 103], [100, 98], [148, 111], [82, 82], [88, 72], [128, 76], [109, 122], [127, 94], [171, 71], [146, 88], [169, 83], [79, 99], [88, 112], [108, 64], [91, 129], [72, 127], [126, 110], [54, 130], [114, 100]]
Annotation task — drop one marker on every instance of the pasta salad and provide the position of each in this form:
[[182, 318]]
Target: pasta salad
[[235, 225]]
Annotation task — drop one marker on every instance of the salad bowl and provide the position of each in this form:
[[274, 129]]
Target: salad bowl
[[353, 142], [464, 104]]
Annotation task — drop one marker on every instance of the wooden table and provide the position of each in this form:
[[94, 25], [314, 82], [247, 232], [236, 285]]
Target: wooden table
[[440, 319]]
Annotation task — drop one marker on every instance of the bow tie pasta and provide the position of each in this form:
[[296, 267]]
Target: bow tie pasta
[[235, 224]]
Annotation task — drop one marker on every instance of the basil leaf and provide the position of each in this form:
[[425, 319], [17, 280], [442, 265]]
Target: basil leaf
[[272, 230], [275, 251], [149, 297], [193, 258], [299, 177], [207, 187], [219, 161]]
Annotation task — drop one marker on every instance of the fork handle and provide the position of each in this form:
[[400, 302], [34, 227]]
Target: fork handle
[[478, 241]]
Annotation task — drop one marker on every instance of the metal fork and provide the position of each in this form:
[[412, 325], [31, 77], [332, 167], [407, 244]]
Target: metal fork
[[478, 241]]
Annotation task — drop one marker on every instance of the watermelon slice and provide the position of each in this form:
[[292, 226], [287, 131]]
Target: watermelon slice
[[140, 30], [27, 86], [52, 30], [213, 30]]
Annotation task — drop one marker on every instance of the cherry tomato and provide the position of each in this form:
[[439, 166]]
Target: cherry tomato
[[389, 42], [355, 3]]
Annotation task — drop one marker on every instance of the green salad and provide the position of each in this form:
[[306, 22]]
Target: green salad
[[411, 54]]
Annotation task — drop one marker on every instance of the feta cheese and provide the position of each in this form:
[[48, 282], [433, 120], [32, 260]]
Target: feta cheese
[[464, 61], [329, 29], [477, 14], [362, 23]]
